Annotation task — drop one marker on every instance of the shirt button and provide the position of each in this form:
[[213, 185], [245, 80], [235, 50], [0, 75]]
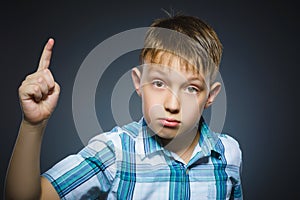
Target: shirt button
[[187, 171]]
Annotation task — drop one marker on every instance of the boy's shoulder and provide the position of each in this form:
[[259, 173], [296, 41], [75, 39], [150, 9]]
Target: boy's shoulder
[[232, 148], [222, 143], [226, 137], [131, 130]]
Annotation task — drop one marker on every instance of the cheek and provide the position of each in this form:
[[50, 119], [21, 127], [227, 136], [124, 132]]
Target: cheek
[[192, 108], [152, 107], [191, 113]]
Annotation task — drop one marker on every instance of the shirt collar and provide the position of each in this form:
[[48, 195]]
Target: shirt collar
[[208, 141], [151, 141]]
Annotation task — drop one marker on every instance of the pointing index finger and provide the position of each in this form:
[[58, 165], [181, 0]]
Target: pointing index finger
[[46, 55]]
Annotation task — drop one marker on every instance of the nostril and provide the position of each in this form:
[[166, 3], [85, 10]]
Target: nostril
[[172, 104], [173, 111]]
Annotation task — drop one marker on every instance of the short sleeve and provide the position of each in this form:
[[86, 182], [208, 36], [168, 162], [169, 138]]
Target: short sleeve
[[86, 175]]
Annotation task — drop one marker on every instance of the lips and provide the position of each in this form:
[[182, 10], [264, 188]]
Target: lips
[[169, 122]]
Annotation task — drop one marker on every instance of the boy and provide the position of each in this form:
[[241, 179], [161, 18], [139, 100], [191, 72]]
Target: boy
[[169, 154]]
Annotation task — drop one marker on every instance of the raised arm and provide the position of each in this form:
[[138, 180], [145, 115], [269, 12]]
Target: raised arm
[[38, 95]]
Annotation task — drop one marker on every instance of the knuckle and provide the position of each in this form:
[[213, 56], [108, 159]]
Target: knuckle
[[23, 83], [36, 89], [51, 85], [28, 77], [46, 71], [47, 74], [57, 85], [20, 89], [40, 79]]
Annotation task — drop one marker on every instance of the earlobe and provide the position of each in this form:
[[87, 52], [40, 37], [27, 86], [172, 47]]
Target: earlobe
[[214, 91], [136, 78]]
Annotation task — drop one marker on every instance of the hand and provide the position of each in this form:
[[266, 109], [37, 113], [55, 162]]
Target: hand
[[39, 92]]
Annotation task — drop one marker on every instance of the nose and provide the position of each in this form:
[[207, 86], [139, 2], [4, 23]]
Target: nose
[[172, 103]]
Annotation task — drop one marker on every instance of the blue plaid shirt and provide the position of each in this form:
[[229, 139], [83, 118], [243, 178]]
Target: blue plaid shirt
[[128, 163]]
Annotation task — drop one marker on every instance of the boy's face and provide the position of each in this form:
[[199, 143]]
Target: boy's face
[[173, 97]]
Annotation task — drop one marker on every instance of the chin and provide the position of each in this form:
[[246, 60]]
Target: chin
[[166, 136]]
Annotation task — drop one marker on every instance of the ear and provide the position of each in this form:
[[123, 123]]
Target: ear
[[214, 91], [136, 78]]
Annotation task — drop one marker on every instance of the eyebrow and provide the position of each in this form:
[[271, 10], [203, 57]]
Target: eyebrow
[[194, 77], [152, 69]]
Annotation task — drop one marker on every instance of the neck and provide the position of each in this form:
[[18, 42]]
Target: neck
[[183, 145]]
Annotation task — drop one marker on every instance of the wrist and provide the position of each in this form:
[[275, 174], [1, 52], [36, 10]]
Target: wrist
[[40, 124]]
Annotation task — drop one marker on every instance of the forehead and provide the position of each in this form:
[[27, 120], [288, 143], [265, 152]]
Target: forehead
[[166, 61]]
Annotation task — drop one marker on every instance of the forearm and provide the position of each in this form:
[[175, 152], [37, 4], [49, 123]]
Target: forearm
[[23, 176]]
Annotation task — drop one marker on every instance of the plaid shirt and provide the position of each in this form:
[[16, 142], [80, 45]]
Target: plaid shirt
[[129, 163]]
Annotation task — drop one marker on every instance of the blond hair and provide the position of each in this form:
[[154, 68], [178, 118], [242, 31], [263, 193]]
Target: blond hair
[[188, 37]]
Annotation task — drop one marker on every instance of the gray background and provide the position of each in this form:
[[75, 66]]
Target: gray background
[[261, 46]]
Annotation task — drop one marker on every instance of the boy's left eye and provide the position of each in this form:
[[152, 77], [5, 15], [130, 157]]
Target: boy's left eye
[[192, 89]]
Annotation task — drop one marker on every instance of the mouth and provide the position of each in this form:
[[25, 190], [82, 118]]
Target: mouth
[[169, 122]]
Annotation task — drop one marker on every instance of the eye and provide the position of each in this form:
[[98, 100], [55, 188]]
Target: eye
[[158, 83], [192, 90]]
